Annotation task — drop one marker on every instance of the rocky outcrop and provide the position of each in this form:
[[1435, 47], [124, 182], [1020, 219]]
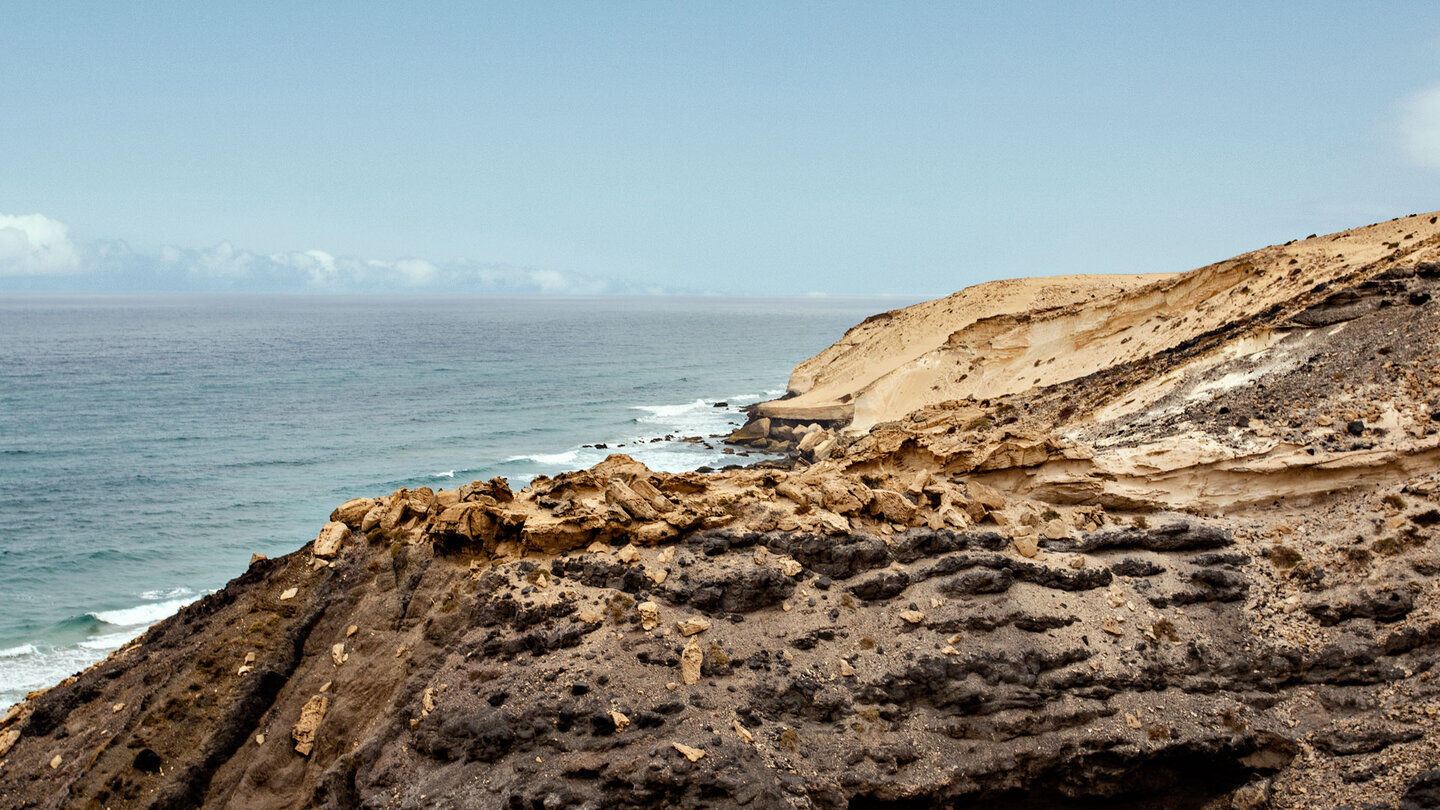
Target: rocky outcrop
[[1202, 574]]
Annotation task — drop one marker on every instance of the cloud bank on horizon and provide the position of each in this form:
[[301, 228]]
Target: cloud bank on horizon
[[37, 254]]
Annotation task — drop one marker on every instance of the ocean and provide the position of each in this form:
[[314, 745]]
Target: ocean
[[150, 444]]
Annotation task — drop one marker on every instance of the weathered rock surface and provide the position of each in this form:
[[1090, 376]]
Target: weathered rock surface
[[1179, 580]]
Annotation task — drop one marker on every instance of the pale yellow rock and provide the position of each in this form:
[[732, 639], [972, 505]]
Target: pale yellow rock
[[690, 660], [1027, 545], [692, 754], [289, 593], [118, 707], [652, 534], [55, 763], [351, 630], [649, 615], [1132, 720], [1056, 530], [693, 625], [1111, 626], [949, 651], [666, 555], [985, 495], [830, 522], [250, 658], [657, 575], [590, 616], [789, 566], [259, 739], [743, 732], [325, 687], [310, 717], [8, 740], [427, 700], [1077, 561], [598, 547], [628, 554], [375, 515], [254, 558], [244, 669], [338, 654], [352, 512], [762, 555], [912, 616], [619, 719], [846, 670], [331, 538]]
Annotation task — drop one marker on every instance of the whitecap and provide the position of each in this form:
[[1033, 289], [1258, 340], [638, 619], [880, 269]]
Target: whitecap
[[168, 593], [110, 641], [566, 457], [140, 614], [666, 412], [16, 652], [447, 474]]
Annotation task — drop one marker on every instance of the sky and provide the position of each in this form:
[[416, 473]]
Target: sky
[[743, 148]]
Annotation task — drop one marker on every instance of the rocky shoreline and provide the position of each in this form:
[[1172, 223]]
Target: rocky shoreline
[[1180, 550]]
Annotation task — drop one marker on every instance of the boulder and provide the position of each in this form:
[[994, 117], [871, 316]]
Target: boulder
[[692, 626], [692, 754], [647, 490], [758, 429], [310, 717], [1027, 545], [690, 660], [628, 499], [985, 495], [332, 536], [810, 439], [841, 499], [352, 512], [649, 615], [654, 533], [892, 506]]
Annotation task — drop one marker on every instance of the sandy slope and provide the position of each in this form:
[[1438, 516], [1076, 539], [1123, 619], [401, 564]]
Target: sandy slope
[[1175, 545], [1005, 337]]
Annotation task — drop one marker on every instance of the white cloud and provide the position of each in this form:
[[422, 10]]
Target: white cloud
[[1420, 128], [416, 271], [34, 244], [37, 254]]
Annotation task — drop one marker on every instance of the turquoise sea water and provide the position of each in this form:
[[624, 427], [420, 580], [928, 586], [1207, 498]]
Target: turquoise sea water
[[150, 445]]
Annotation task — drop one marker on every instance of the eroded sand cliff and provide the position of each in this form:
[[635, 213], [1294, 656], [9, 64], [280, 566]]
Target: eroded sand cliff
[[1161, 541]]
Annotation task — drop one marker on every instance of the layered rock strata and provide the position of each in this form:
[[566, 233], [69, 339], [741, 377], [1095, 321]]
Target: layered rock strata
[[1198, 571]]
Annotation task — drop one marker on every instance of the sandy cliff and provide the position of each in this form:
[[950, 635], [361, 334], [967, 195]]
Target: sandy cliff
[[1005, 337], [1164, 541]]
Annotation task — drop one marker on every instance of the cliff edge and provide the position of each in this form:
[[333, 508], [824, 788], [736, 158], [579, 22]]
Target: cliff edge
[[1158, 541]]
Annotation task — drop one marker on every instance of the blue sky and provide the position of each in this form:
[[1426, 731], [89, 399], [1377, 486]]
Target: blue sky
[[907, 148]]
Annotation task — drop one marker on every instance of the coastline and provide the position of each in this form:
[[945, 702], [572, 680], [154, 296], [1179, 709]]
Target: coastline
[[1201, 575], [207, 471]]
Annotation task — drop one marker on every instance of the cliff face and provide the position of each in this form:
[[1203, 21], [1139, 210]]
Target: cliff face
[[1156, 542]]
